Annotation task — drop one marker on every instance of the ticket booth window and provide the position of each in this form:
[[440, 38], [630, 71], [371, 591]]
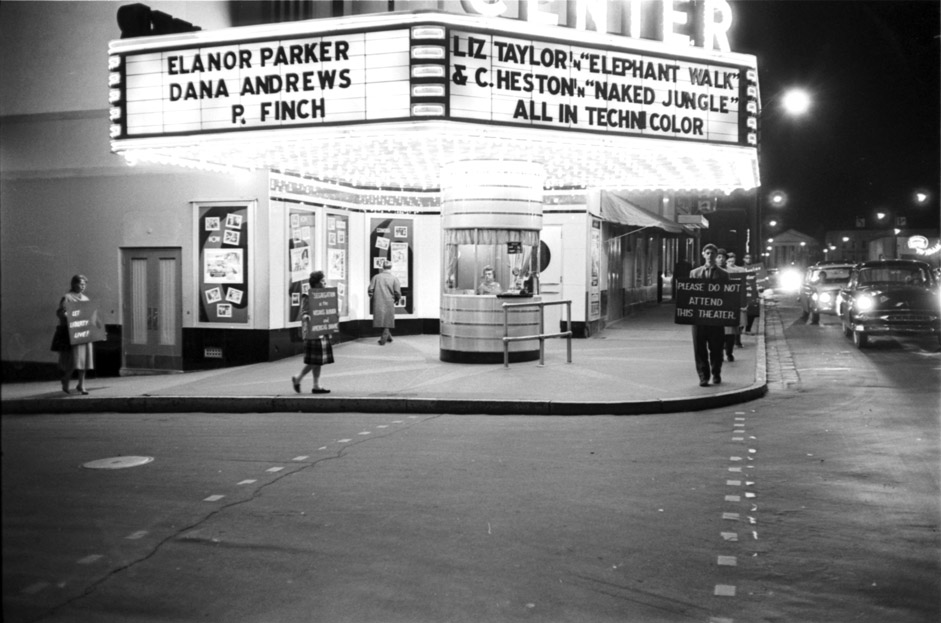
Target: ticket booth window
[[509, 257]]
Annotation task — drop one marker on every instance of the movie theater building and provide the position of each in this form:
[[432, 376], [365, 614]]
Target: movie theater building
[[571, 147]]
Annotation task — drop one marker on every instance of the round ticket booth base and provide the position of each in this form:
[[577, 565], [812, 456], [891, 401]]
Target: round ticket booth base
[[472, 330]]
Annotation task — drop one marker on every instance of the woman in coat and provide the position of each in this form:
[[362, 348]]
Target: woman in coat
[[385, 292], [81, 357]]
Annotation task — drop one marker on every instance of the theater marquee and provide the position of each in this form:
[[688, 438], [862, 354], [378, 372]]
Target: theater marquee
[[366, 88]]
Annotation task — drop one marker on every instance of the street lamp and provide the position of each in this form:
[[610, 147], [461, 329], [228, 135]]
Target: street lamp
[[794, 102]]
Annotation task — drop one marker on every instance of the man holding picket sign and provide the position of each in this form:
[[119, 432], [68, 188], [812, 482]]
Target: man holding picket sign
[[708, 301]]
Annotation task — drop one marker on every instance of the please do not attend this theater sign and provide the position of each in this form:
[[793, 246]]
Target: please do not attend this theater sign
[[716, 303]]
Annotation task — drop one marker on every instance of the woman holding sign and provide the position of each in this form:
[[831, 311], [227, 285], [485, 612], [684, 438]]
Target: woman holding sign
[[77, 357], [318, 350]]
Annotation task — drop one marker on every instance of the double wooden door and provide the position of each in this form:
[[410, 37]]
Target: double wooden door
[[152, 311]]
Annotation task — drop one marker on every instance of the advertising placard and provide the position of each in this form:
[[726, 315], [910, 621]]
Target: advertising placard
[[300, 247], [338, 251], [322, 307], [222, 280], [84, 325], [715, 303]]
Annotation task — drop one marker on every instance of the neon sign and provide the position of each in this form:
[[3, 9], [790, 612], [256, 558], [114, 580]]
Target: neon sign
[[678, 23]]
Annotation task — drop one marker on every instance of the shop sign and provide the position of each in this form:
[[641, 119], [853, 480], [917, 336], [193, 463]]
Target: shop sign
[[714, 303]]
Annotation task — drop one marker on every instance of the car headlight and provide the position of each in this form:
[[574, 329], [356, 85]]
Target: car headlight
[[790, 280], [865, 302], [825, 297]]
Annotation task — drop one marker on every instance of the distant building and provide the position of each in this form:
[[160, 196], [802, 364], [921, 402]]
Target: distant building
[[860, 245], [792, 248]]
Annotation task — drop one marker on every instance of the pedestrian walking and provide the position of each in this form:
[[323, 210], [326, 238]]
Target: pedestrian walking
[[708, 340], [385, 292], [753, 307], [729, 333], [731, 267], [318, 350]]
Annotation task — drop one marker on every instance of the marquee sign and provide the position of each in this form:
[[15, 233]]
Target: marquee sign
[[429, 70], [505, 79], [267, 84]]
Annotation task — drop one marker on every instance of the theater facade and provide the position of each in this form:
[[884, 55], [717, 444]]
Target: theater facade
[[574, 162]]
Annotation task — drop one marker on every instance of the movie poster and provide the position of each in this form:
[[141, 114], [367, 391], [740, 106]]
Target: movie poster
[[222, 243], [301, 256], [336, 270]]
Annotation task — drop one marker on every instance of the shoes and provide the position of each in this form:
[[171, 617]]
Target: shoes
[[65, 387], [81, 390], [296, 384], [382, 343], [390, 339], [716, 379], [731, 357], [704, 382], [319, 390]]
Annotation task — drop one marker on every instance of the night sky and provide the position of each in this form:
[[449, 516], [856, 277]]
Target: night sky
[[873, 135]]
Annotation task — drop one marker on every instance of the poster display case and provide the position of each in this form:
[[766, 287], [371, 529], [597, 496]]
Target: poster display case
[[337, 246], [301, 257], [392, 239], [223, 243]]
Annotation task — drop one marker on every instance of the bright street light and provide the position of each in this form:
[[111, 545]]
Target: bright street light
[[796, 102]]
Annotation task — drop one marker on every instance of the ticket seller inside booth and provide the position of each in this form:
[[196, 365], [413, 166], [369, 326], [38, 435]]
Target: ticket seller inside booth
[[491, 218]]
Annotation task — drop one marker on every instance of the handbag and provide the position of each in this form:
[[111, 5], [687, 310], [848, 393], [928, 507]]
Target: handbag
[[60, 340]]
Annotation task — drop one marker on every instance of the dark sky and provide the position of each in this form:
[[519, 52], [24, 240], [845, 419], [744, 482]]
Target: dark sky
[[873, 135]]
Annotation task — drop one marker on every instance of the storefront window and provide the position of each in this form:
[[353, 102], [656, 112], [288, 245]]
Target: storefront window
[[490, 261]]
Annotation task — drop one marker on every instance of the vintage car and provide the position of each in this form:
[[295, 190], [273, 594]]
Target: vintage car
[[890, 297], [821, 287]]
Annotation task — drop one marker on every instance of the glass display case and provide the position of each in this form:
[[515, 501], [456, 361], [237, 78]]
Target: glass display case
[[490, 262]]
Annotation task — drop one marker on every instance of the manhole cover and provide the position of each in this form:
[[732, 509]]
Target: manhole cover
[[119, 462]]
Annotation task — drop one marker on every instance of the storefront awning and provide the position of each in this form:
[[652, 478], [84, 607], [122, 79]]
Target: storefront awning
[[617, 210]]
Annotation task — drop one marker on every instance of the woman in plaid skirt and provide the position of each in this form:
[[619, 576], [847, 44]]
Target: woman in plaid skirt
[[318, 350]]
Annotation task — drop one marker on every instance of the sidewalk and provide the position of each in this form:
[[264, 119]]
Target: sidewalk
[[638, 365]]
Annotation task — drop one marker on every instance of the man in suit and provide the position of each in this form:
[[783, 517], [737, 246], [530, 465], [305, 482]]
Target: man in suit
[[708, 341]]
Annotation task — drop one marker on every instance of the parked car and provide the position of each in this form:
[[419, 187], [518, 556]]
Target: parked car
[[890, 297], [822, 283]]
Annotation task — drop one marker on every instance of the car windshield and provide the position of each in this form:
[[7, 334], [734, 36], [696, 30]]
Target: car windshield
[[831, 275], [910, 275]]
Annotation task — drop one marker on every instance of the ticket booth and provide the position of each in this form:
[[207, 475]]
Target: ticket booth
[[491, 219]]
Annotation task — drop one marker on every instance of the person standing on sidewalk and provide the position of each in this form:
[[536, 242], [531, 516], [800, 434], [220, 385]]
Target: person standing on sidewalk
[[385, 292], [81, 357], [732, 267], [753, 307], [708, 340], [318, 350], [729, 332]]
